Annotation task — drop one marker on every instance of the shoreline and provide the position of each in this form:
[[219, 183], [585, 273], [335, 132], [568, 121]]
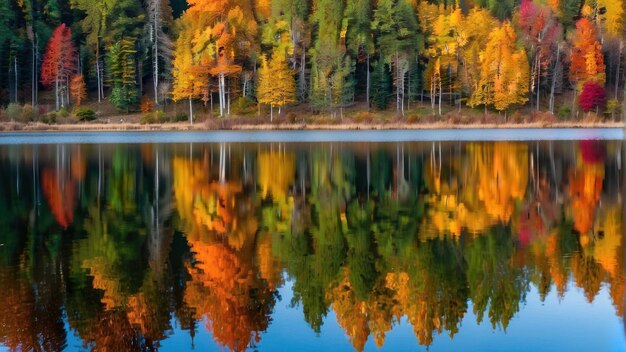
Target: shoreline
[[350, 126]]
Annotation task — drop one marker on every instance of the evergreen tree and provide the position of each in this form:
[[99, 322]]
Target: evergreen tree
[[122, 74], [381, 85], [395, 27]]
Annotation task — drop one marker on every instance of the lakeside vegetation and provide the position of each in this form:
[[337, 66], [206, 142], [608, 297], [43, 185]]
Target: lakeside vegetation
[[456, 62]]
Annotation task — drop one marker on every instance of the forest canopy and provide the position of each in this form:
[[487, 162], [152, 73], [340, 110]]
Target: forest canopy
[[319, 54]]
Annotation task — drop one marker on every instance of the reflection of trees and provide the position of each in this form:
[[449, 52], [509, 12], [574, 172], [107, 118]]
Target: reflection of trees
[[221, 229], [496, 285], [127, 239], [29, 320], [503, 176]]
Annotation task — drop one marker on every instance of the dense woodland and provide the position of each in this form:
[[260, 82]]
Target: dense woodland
[[559, 56]]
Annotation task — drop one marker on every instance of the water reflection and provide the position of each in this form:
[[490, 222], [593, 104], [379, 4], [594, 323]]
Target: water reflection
[[113, 244]]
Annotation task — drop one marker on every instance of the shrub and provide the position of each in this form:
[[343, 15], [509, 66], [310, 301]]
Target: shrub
[[593, 96], [146, 105], [413, 118], [28, 113], [159, 116], [291, 117], [154, 117], [243, 106], [363, 116], [181, 117], [85, 114], [13, 112], [564, 112], [64, 113], [50, 118], [147, 118], [613, 107]]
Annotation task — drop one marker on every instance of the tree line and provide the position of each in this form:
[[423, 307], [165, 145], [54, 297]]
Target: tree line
[[326, 55]]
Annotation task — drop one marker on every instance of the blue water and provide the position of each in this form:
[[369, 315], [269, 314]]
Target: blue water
[[310, 136]]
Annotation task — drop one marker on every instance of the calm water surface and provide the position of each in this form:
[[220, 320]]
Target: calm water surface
[[404, 246]]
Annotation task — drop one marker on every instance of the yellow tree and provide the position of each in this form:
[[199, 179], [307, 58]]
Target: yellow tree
[[473, 36], [224, 32], [504, 73], [277, 86], [190, 78]]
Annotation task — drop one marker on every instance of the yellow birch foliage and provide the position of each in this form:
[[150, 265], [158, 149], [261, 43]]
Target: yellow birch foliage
[[190, 78], [277, 86], [503, 176], [504, 74]]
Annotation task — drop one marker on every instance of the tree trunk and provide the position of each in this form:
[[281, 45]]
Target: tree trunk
[[538, 81], [155, 55], [440, 93], [33, 97], [222, 93], [554, 76], [368, 83], [98, 77], [397, 85], [190, 111], [56, 93], [15, 72], [619, 62], [302, 81]]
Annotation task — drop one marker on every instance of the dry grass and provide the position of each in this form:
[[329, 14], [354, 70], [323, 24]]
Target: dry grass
[[360, 121]]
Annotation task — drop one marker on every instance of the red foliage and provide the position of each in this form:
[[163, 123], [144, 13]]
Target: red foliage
[[60, 199], [59, 60], [540, 30], [592, 96], [592, 151]]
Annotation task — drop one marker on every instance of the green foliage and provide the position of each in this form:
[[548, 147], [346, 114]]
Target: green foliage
[[64, 112], [565, 112], [13, 112], [613, 107], [158, 116], [396, 29], [501, 9], [181, 117], [122, 75], [243, 106], [85, 114], [381, 85], [570, 9]]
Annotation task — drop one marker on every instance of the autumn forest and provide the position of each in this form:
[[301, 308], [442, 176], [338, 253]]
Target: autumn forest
[[119, 245], [263, 57]]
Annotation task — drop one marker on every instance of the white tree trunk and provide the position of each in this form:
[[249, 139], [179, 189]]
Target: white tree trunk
[[190, 111]]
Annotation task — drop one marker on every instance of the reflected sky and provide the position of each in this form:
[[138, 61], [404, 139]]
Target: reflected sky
[[445, 246]]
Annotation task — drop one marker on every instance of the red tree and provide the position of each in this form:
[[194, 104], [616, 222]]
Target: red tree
[[593, 96], [59, 63]]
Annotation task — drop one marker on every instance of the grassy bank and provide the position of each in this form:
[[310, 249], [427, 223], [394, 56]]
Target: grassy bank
[[104, 118], [231, 124]]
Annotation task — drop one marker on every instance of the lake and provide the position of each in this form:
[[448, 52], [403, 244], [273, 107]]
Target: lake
[[497, 240]]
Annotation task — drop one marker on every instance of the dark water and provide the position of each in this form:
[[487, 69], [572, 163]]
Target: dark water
[[474, 246]]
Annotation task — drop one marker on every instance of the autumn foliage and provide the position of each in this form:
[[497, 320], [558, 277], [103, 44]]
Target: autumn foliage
[[78, 89], [587, 58], [59, 62], [592, 96]]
